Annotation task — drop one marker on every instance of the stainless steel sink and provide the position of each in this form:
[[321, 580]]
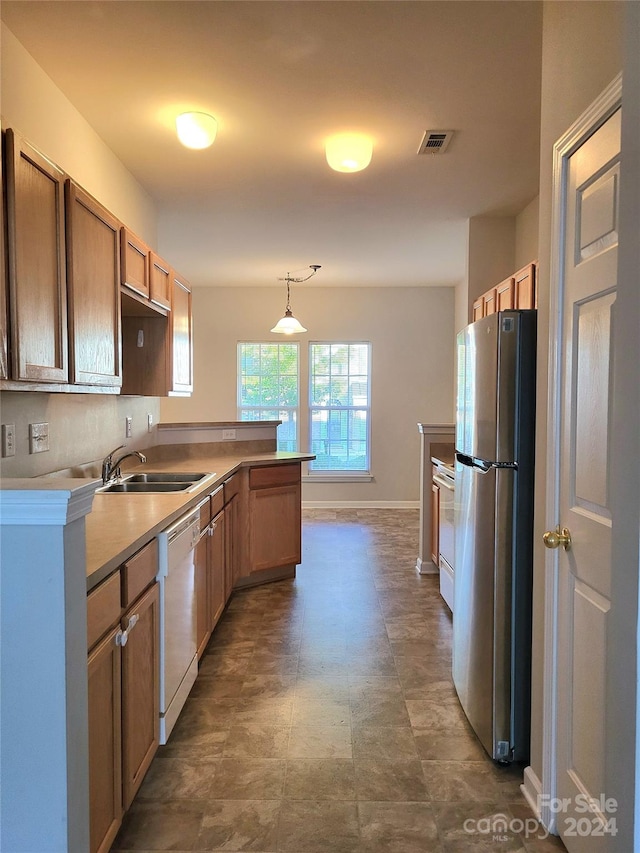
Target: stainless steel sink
[[147, 488], [153, 482], [160, 477]]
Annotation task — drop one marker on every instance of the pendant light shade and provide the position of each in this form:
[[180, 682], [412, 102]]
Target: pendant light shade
[[196, 130], [288, 325], [349, 152]]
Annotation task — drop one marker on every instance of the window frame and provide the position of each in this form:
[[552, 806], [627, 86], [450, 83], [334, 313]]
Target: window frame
[[278, 408], [339, 474]]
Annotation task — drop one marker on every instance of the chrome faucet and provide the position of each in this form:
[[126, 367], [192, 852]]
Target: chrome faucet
[[111, 468]]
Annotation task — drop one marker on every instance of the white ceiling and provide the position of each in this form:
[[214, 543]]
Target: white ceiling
[[282, 76]]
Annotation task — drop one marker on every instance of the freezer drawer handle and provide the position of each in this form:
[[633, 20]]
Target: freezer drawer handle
[[556, 538]]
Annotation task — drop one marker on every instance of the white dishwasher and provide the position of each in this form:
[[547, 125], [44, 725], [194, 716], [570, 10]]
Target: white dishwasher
[[178, 652]]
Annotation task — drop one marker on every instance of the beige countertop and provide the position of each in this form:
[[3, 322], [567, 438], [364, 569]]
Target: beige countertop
[[120, 524]]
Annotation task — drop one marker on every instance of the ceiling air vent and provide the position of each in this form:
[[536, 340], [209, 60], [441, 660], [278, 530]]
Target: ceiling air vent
[[435, 141]]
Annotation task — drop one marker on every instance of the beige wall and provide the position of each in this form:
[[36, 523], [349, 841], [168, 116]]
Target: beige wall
[[32, 104], [491, 252], [83, 427], [581, 54], [526, 249], [411, 332]]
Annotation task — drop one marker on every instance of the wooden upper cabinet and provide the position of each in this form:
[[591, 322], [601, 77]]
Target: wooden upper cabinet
[[478, 309], [160, 281], [134, 263], [181, 339], [36, 264], [4, 305], [489, 302], [93, 280], [505, 295], [525, 288]]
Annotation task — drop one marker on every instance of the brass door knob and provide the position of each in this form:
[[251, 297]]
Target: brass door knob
[[556, 538]]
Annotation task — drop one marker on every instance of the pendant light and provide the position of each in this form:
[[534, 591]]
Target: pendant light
[[288, 325]]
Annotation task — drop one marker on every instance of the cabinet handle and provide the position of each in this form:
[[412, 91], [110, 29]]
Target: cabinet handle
[[212, 528], [123, 636]]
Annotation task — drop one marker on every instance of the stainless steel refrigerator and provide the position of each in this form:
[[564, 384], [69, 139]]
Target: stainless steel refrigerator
[[495, 423]]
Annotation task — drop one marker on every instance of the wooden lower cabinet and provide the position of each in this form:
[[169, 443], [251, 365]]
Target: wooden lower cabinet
[[140, 691], [274, 508], [203, 593], [124, 691], [217, 567], [105, 742]]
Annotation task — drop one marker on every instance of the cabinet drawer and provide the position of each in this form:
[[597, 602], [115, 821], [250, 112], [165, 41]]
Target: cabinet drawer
[[103, 608], [274, 475], [217, 501], [139, 571]]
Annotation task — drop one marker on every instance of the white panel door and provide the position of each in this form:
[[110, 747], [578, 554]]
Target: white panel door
[[590, 226]]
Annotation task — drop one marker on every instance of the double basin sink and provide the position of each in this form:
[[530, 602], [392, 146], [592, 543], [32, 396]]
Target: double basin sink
[[155, 483]]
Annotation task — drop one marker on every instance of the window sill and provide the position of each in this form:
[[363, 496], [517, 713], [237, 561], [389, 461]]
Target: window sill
[[337, 477]]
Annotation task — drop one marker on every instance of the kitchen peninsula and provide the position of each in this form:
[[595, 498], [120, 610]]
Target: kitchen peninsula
[[60, 539]]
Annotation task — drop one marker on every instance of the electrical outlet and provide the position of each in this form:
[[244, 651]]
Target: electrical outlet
[[8, 439], [149, 422], [228, 434], [128, 428], [38, 438]]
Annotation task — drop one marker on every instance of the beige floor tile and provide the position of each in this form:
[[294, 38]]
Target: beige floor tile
[[318, 827], [320, 742], [320, 779], [248, 779], [389, 742], [383, 780], [398, 828], [235, 825], [256, 740]]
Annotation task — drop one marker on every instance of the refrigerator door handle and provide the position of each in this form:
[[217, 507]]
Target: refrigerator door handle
[[470, 462]]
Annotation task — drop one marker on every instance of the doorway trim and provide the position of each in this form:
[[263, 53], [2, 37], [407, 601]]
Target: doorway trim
[[585, 126]]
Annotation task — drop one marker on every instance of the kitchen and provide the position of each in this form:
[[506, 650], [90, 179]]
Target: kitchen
[[322, 306]]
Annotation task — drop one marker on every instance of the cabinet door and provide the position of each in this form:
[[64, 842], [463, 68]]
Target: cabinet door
[[203, 593], [217, 567], [36, 256], [489, 302], [525, 289], [134, 263], [105, 750], [181, 340], [140, 690], [160, 278], [504, 295], [275, 527], [435, 522], [478, 309], [232, 562], [4, 305], [93, 275]]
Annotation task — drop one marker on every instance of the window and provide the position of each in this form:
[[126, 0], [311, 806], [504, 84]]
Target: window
[[339, 395], [268, 388]]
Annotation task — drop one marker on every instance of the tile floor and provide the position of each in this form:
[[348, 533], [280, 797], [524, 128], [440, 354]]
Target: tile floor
[[324, 719]]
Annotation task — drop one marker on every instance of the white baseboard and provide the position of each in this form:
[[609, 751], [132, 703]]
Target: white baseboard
[[532, 792], [426, 567], [360, 504]]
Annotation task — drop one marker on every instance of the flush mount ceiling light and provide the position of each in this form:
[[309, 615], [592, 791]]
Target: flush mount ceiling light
[[288, 325], [196, 130], [349, 152]]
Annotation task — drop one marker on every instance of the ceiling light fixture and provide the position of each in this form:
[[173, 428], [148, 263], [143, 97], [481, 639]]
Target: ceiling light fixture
[[196, 130], [349, 152], [288, 325]]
